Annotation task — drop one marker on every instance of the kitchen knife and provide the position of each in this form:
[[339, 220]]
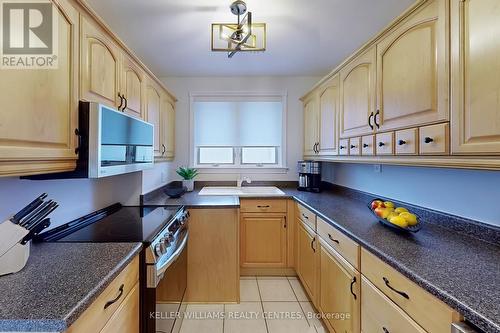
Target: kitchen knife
[[36, 230], [28, 208], [41, 215], [24, 221]]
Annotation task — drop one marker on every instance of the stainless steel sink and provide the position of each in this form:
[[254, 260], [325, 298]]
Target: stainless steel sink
[[247, 191]]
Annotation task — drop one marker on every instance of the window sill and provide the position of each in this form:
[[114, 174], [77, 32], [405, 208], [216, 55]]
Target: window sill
[[239, 170]]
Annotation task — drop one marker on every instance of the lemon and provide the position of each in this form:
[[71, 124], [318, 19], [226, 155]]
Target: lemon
[[399, 221], [410, 218], [401, 210], [391, 215], [389, 204]]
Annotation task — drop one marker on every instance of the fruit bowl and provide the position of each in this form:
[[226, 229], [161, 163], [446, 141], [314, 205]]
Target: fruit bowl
[[405, 221]]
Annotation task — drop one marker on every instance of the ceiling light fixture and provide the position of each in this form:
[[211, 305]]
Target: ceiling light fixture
[[242, 36]]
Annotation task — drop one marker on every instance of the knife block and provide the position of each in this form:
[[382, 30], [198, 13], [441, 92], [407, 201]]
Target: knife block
[[13, 254]]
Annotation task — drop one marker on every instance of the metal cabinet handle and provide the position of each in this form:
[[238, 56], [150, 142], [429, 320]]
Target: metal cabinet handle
[[333, 239], [381, 144], [312, 244], [352, 284], [109, 303], [365, 145], [375, 119], [164, 149], [405, 295], [353, 146], [428, 139], [121, 101], [266, 206], [342, 147], [401, 142], [305, 216], [126, 103], [385, 330], [370, 120], [317, 148]]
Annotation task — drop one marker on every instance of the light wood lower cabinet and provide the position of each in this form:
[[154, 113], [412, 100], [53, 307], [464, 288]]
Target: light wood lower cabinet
[[213, 274], [307, 259], [39, 108], [380, 315], [339, 296], [126, 317], [120, 314], [263, 240]]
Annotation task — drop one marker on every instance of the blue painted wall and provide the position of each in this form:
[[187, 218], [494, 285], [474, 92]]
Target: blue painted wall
[[474, 194]]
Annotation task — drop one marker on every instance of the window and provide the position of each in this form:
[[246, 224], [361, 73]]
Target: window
[[238, 130]]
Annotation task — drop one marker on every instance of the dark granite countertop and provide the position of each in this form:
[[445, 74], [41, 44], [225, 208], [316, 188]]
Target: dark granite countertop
[[192, 200], [446, 258], [59, 283]]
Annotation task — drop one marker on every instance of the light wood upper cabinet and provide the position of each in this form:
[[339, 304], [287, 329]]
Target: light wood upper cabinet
[[307, 259], [357, 95], [412, 75], [153, 104], [328, 118], [39, 108], [132, 86], [339, 291], [100, 66], [263, 240], [311, 121], [475, 74], [167, 117]]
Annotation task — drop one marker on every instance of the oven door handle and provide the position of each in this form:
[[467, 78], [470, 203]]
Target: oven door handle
[[160, 270]]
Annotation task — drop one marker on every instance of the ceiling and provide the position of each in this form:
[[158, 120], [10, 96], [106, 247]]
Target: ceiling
[[304, 37]]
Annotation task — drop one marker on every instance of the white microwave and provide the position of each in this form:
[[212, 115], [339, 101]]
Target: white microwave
[[112, 142]]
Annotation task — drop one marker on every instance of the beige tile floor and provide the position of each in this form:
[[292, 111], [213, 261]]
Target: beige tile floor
[[268, 305]]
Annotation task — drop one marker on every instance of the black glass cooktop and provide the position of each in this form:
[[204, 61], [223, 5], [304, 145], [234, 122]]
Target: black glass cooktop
[[115, 223]]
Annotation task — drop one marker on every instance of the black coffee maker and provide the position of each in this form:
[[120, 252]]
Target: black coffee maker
[[309, 176]]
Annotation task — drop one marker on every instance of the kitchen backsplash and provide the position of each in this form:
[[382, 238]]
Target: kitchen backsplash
[[471, 194]]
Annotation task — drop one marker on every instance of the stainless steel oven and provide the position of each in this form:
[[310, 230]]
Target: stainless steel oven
[[166, 272]]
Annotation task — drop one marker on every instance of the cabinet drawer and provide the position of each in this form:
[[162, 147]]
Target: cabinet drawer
[[379, 314], [385, 143], [429, 312], [407, 142], [266, 205], [346, 247], [96, 316], [306, 216], [126, 318], [344, 147], [368, 145], [355, 146], [434, 139]]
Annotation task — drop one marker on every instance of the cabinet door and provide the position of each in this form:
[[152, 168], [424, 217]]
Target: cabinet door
[[100, 66], [307, 259], [168, 128], [39, 108], [126, 317], [339, 294], [153, 103], [310, 126], [132, 83], [263, 240], [475, 77], [357, 95], [328, 118], [412, 75]]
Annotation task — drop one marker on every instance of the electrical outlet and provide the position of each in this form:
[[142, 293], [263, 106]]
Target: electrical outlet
[[377, 168]]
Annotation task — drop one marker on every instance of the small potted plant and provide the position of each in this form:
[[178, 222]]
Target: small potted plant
[[188, 175]]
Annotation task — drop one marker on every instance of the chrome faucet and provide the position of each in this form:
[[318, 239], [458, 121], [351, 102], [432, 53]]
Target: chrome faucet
[[241, 180]]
